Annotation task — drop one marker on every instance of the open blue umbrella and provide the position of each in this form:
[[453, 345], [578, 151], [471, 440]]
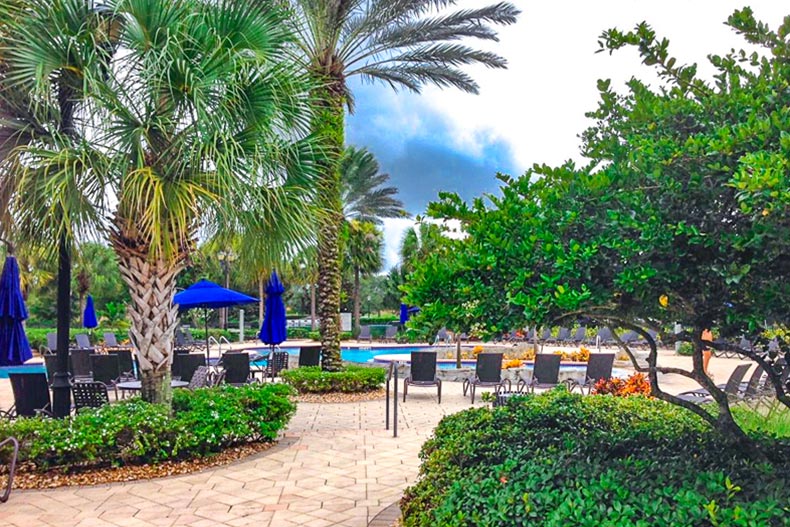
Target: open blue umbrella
[[89, 315], [208, 295], [273, 330], [14, 346]]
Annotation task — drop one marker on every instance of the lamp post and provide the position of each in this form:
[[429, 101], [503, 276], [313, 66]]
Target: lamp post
[[225, 258]]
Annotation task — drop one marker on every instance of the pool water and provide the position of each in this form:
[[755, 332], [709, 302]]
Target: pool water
[[25, 368]]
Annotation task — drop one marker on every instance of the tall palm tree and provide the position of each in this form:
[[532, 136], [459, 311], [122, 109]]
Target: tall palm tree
[[403, 43], [198, 122], [364, 245], [362, 194]]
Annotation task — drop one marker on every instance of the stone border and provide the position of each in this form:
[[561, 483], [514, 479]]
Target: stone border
[[387, 517]]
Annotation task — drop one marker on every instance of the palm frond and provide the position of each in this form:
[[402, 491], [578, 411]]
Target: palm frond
[[362, 194]]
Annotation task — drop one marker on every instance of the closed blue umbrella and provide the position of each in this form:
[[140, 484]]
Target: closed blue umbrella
[[14, 346], [273, 329], [404, 313], [89, 315]]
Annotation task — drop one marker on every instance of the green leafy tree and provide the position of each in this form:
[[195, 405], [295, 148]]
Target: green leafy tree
[[403, 43], [682, 215], [364, 246]]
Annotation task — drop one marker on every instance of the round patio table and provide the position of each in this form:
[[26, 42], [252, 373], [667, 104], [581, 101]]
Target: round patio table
[[137, 385]]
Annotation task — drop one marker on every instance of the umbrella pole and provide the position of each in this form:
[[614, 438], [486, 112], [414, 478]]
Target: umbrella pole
[[205, 326]]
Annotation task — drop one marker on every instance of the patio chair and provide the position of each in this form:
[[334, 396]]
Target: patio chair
[[80, 365], [309, 356], [364, 334], [752, 388], [629, 338], [545, 373], [106, 370], [89, 395], [200, 379], [185, 364], [125, 362], [52, 343], [237, 368], [545, 336], [604, 337], [488, 373], [31, 395], [423, 373], [579, 337], [111, 342], [51, 365], [563, 335], [599, 366], [278, 361], [731, 388], [83, 342], [442, 336], [463, 337], [390, 332]]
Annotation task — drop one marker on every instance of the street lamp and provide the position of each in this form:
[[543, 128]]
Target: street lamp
[[225, 258]]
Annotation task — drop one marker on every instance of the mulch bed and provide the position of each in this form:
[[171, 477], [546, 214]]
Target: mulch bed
[[27, 478], [341, 397]]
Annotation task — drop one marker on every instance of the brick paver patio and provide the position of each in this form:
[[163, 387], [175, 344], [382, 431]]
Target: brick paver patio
[[335, 465]]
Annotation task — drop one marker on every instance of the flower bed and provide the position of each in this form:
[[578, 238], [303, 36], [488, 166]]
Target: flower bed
[[134, 432], [561, 459], [348, 380]]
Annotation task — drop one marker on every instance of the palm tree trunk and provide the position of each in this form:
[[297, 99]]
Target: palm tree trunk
[[329, 125], [357, 321], [312, 307], [154, 317]]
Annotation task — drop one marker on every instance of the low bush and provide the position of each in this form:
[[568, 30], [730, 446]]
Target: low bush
[[344, 335], [134, 432], [561, 459], [686, 349], [38, 336], [350, 379]]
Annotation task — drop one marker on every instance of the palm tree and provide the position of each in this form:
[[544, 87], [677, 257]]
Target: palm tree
[[364, 244], [198, 122], [403, 43], [362, 193]]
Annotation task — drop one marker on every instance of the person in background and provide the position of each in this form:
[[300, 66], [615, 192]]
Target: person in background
[[706, 336]]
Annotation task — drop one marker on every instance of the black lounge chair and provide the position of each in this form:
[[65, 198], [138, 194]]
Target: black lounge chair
[[442, 337], [31, 395], [111, 342], [599, 366], [390, 332], [580, 337], [605, 337], [545, 373], [83, 342], [237, 368], [752, 388], [629, 338], [89, 395], [185, 364], [125, 361], [731, 388], [80, 365], [52, 342], [51, 365], [563, 336], [488, 373], [201, 378], [364, 334], [545, 336], [106, 370], [309, 356], [423, 373]]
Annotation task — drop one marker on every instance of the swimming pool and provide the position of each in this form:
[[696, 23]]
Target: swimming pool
[[25, 368]]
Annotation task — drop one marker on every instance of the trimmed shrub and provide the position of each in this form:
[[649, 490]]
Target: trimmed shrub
[[134, 432], [344, 335], [561, 459], [350, 379]]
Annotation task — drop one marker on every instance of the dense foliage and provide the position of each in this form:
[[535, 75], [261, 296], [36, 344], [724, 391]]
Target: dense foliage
[[560, 459], [134, 431], [349, 379]]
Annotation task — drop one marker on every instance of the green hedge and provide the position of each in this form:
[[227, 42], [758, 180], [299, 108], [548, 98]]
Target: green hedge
[[351, 379], [344, 335], [565, 460], [383, 319], [38, 336], [135, 432]]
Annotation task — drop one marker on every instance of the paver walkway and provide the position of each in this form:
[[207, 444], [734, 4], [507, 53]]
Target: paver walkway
[[336, 465]]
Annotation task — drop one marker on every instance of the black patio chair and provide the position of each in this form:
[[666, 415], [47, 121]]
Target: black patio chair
[[51, 365], [630, 338], [52, 343], [545, 373], [277, 362], [31, 395], [89, 395], [442, 336], [599, 366], [84, 342], [364, 334], [423, 373], [125, 361], [605, 337], [545, 336], [237, 368], [106, 369], [80, 365], [390, 332], [488, 373], [731, 388], [185, 364], [111, 342], [200, 379], [580, 337], [752, 389], [563, 335], [309, 356]]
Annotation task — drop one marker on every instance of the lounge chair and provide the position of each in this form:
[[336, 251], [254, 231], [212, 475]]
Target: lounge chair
[[390, 332], [309, 356], [423, 373], [31, 395], [89, 395], [545, 373], [563, 335], [731, 388], [488, 373], [442, 337], [364, 334], [200, 379], [545, 336], [278, 361], [125, 361], [599, 366], [106, 369], [752, 389], [84, 343], [580, 337], [629, 338], [111, 343], [80, 365], [51, 365], [604, 337], [185, 364], [237, 368], [52, 343]]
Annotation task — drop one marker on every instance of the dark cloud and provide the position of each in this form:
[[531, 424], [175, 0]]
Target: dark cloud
[[423, 162]]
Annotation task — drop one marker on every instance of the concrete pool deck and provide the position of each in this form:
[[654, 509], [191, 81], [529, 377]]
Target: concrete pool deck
[[336, 465]]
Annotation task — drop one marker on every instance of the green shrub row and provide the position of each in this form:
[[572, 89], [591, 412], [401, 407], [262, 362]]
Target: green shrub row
[[383, 319], [351, 379], [344, 335], [38, 336], [135, 432], [560, 459]]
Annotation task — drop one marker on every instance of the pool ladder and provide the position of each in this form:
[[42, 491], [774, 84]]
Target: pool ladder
[[11, 468], [392, 376]]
